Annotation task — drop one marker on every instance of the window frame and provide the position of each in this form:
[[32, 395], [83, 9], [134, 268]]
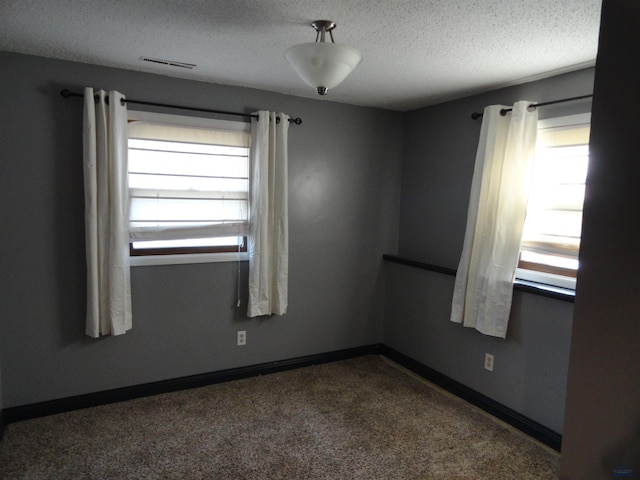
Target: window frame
[[185, 254], [555, 277]]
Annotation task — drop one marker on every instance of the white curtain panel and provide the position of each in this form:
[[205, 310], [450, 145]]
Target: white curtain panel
[[497, 208], [268, 243], [106, 214]]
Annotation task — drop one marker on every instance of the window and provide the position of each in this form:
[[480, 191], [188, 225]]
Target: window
[[188, 184], [551, 236]]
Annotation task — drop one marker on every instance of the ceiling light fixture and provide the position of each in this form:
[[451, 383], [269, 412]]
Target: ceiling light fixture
[[323, 65]]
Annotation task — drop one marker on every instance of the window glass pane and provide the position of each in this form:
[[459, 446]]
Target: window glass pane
[[561, 165], [553, 222], [177, 210], [552, 229], [206, 184], [567, 196], [192, 163], [192, 242], [183, 176]]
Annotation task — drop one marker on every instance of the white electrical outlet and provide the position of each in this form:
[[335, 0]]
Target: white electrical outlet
[[488, 362], [242, 337]]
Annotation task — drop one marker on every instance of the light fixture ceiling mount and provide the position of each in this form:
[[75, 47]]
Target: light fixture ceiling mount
[[323, 65], [323, 27]]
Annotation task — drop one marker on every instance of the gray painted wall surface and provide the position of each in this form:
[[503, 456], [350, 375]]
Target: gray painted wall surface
[[530, 368], [531, 365], [345, 164], [602, 429]]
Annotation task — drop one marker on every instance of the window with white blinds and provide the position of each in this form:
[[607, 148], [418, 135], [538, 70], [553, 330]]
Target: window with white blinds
[[188, 184], [551, 236]]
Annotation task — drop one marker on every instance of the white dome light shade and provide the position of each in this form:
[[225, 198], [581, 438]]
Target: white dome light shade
[[323, 65]]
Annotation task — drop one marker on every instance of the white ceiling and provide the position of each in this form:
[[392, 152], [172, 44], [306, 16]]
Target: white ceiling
[[416, 52]]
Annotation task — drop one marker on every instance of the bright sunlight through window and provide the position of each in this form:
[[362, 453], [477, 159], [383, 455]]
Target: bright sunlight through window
[[551, 236]]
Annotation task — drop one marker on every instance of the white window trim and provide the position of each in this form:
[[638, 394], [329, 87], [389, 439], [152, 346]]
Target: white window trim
[[187, 258]]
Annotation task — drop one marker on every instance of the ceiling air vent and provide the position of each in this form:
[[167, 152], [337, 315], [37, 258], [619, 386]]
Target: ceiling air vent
[[169, 63]]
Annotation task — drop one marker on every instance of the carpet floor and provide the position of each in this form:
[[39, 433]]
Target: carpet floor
[[364, 418]]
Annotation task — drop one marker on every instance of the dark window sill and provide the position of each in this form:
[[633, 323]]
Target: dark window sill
[[534, 288], [544, 290]]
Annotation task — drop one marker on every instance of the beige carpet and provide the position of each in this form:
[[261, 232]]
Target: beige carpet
[[364, 418]]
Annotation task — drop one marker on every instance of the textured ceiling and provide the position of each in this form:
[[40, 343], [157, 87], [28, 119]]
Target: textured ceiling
[[416, 52]]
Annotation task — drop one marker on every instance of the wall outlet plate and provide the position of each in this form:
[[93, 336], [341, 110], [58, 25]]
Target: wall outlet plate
[[242, 337], [488, 362]]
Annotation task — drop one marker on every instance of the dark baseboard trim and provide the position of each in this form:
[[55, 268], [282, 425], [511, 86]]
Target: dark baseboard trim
[[51, 407], [530, 427], [517, 420]]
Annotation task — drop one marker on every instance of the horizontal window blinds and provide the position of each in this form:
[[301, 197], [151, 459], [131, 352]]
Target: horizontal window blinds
[[176, 133], [187, 182], [554, 214]]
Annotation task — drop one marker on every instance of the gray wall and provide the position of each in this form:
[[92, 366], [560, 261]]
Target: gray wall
[[602, 429], [531, 365], [345, 166]]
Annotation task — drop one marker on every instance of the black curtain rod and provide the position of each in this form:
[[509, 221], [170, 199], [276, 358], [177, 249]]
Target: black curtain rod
[[67, 93], [504, 111]]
